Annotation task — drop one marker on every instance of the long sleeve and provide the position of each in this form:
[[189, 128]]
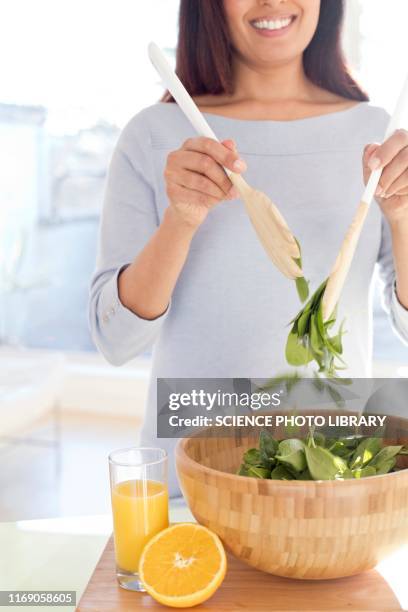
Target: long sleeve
[[129, 219], [397, 313]]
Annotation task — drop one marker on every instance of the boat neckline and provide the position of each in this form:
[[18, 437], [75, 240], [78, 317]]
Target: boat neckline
[[325, 116]]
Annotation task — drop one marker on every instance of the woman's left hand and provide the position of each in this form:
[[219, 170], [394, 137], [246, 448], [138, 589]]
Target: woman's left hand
[[392, 192]]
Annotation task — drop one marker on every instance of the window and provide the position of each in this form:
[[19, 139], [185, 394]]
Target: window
[[74, 75]]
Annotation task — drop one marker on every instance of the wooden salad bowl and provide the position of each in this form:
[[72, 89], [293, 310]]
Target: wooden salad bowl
[[297, 529]]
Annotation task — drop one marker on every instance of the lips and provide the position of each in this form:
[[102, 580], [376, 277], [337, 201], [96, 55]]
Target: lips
[[268, 25]]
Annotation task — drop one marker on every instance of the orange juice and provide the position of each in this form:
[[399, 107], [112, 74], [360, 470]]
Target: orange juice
[[140, 510]]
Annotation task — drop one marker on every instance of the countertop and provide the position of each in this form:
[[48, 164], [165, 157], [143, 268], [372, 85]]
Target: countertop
[[58, 553], [61, 554]]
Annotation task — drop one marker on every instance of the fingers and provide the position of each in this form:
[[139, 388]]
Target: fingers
[[389, 150], [392, 157], [202, 184], [395, 171], [194, 173], [220, 153], [398, 188], [182, 195], [198, 166], [205, 166], [369, 151]]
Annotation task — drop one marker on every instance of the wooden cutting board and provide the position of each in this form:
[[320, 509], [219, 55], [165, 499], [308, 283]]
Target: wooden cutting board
[[247, 589]]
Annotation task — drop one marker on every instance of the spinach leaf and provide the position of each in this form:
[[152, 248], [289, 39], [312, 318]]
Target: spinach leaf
[[268, 447], [385, 466], [316, 341], [292, 454], [364, 472], [384, 458], [314, 438], [242, 470], [309, 339], [322, 464], [296, 353], [347, 474], [302, 285], [281, 473], [305, 475], [319, 438], [268, 444], [253, 457], [317, 458], [339, 448], [351, 442], [303, 323], [291, 445], [258, 472], [365, 452]]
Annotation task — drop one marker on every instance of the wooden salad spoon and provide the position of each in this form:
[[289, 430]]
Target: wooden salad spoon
[[272, 229]]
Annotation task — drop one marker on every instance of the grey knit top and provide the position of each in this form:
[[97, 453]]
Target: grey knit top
[[230, 310]]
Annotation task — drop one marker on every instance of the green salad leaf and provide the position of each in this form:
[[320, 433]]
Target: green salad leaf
[[258, 472], [281, 473], [323, 465], [292, 454], [365, 451], [253, 457], [309, 338], [302, 285], [317, 457], [268, 447]]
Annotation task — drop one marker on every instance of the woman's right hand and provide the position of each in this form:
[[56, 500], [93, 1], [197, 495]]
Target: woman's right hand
[[195, 178]]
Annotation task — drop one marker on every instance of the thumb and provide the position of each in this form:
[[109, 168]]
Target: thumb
[[369, 152]]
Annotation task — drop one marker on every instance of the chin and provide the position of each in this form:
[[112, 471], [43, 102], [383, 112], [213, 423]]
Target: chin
[[275, 59]]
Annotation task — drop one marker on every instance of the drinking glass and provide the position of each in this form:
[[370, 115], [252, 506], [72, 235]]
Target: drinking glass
[[139, 493]]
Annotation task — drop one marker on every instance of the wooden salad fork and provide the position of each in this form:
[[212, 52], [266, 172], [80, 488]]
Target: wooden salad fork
[[272, 229], [344, 259]]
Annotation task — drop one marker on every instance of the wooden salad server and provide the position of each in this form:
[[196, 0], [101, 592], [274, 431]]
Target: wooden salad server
[[272, 229], [344, 259]]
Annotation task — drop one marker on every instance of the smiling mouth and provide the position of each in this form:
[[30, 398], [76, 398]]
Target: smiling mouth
[[273, 25]]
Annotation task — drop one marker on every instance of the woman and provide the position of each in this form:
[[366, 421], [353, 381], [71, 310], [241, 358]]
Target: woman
[[179, 264]]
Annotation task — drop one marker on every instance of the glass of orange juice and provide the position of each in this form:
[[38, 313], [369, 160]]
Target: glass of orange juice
[[140, 506]]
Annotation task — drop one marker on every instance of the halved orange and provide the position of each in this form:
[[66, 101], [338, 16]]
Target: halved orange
[[183, 565]]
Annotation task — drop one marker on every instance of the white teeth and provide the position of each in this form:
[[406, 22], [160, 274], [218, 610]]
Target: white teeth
[[278, 24]]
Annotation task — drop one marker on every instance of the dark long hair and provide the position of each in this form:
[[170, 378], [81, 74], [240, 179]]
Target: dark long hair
[[204, 52]]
